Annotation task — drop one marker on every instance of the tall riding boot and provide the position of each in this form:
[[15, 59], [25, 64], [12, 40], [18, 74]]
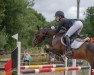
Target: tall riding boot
[[68, 46]]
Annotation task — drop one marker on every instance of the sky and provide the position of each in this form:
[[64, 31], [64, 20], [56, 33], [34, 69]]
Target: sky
[[48, 8]]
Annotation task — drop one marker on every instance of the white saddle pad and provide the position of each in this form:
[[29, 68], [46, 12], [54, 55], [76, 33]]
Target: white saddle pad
[[76, 44]]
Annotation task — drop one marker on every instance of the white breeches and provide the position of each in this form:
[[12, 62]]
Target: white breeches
[[77, 27]]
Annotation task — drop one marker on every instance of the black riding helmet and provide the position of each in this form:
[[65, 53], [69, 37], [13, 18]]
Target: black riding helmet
[[59, 13]]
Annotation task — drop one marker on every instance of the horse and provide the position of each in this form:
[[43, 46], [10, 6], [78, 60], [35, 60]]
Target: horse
[[84, 52], [47, 32]]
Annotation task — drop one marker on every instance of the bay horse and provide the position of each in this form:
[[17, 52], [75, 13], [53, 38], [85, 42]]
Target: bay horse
[[84, 52]]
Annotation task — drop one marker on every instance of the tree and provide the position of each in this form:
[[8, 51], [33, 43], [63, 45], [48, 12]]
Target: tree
[[29, 20], [3, 39], [13, 9], [89, 22], [2, 9], [19, 17], [90, 15]]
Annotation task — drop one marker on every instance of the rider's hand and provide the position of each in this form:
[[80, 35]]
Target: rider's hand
[[52, 27], [87, 39], [54, 36]]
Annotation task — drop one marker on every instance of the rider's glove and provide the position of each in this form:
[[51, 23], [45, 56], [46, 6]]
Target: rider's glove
[[52, 27], [54, 36]]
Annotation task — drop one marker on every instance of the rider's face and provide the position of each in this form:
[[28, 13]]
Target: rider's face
[[57, 18]]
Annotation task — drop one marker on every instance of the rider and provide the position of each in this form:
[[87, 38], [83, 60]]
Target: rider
[[72, 26]]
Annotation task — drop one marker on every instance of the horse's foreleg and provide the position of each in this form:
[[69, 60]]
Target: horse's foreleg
[[48, 48], [52, 51]]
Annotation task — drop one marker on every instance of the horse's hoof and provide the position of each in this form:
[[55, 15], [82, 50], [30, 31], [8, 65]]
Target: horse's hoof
[[46, 46]]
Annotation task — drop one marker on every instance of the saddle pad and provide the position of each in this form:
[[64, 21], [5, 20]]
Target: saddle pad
[[75, 44]]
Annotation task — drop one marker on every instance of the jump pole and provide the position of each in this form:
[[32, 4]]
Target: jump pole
[[66, 65], [42, 66], [29, 71], [74, 65], [19, 51], [92, 72]]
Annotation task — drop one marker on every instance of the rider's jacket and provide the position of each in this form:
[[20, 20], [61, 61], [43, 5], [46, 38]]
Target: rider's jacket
[[67, 23]]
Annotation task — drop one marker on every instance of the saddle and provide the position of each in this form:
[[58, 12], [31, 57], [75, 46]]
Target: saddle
[[75, 41]]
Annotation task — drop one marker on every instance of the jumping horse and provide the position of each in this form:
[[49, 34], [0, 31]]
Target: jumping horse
[[84, 52]]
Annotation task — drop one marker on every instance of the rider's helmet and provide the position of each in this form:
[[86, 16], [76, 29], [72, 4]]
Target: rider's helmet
[[59, 13]]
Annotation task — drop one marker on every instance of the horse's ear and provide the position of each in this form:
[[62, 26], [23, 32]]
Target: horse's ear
[[38, 27]]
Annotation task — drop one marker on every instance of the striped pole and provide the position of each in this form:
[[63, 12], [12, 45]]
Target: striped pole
[[28, 71], [92, 71], [41, 66]]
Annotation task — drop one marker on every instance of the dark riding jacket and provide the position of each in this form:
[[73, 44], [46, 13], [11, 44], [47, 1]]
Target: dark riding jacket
[[66, 23]]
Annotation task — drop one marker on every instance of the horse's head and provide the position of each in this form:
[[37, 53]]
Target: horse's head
[[41, 34]]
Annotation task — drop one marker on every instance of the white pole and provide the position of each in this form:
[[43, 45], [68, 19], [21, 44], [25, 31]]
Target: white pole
[[74, 65], [66, 65], [19, 51], [89, 70]]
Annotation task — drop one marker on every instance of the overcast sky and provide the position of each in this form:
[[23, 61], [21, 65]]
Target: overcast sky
[[49, 7]]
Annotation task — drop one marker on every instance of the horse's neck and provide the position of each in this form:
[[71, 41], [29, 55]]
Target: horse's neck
[[51, 33]]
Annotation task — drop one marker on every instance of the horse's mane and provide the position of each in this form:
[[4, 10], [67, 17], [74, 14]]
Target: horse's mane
[[60, 33]]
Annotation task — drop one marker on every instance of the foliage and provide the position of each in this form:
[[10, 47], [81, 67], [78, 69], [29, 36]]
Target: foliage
[[17, 16], [2, 9], [89, 22], [3, 40]]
